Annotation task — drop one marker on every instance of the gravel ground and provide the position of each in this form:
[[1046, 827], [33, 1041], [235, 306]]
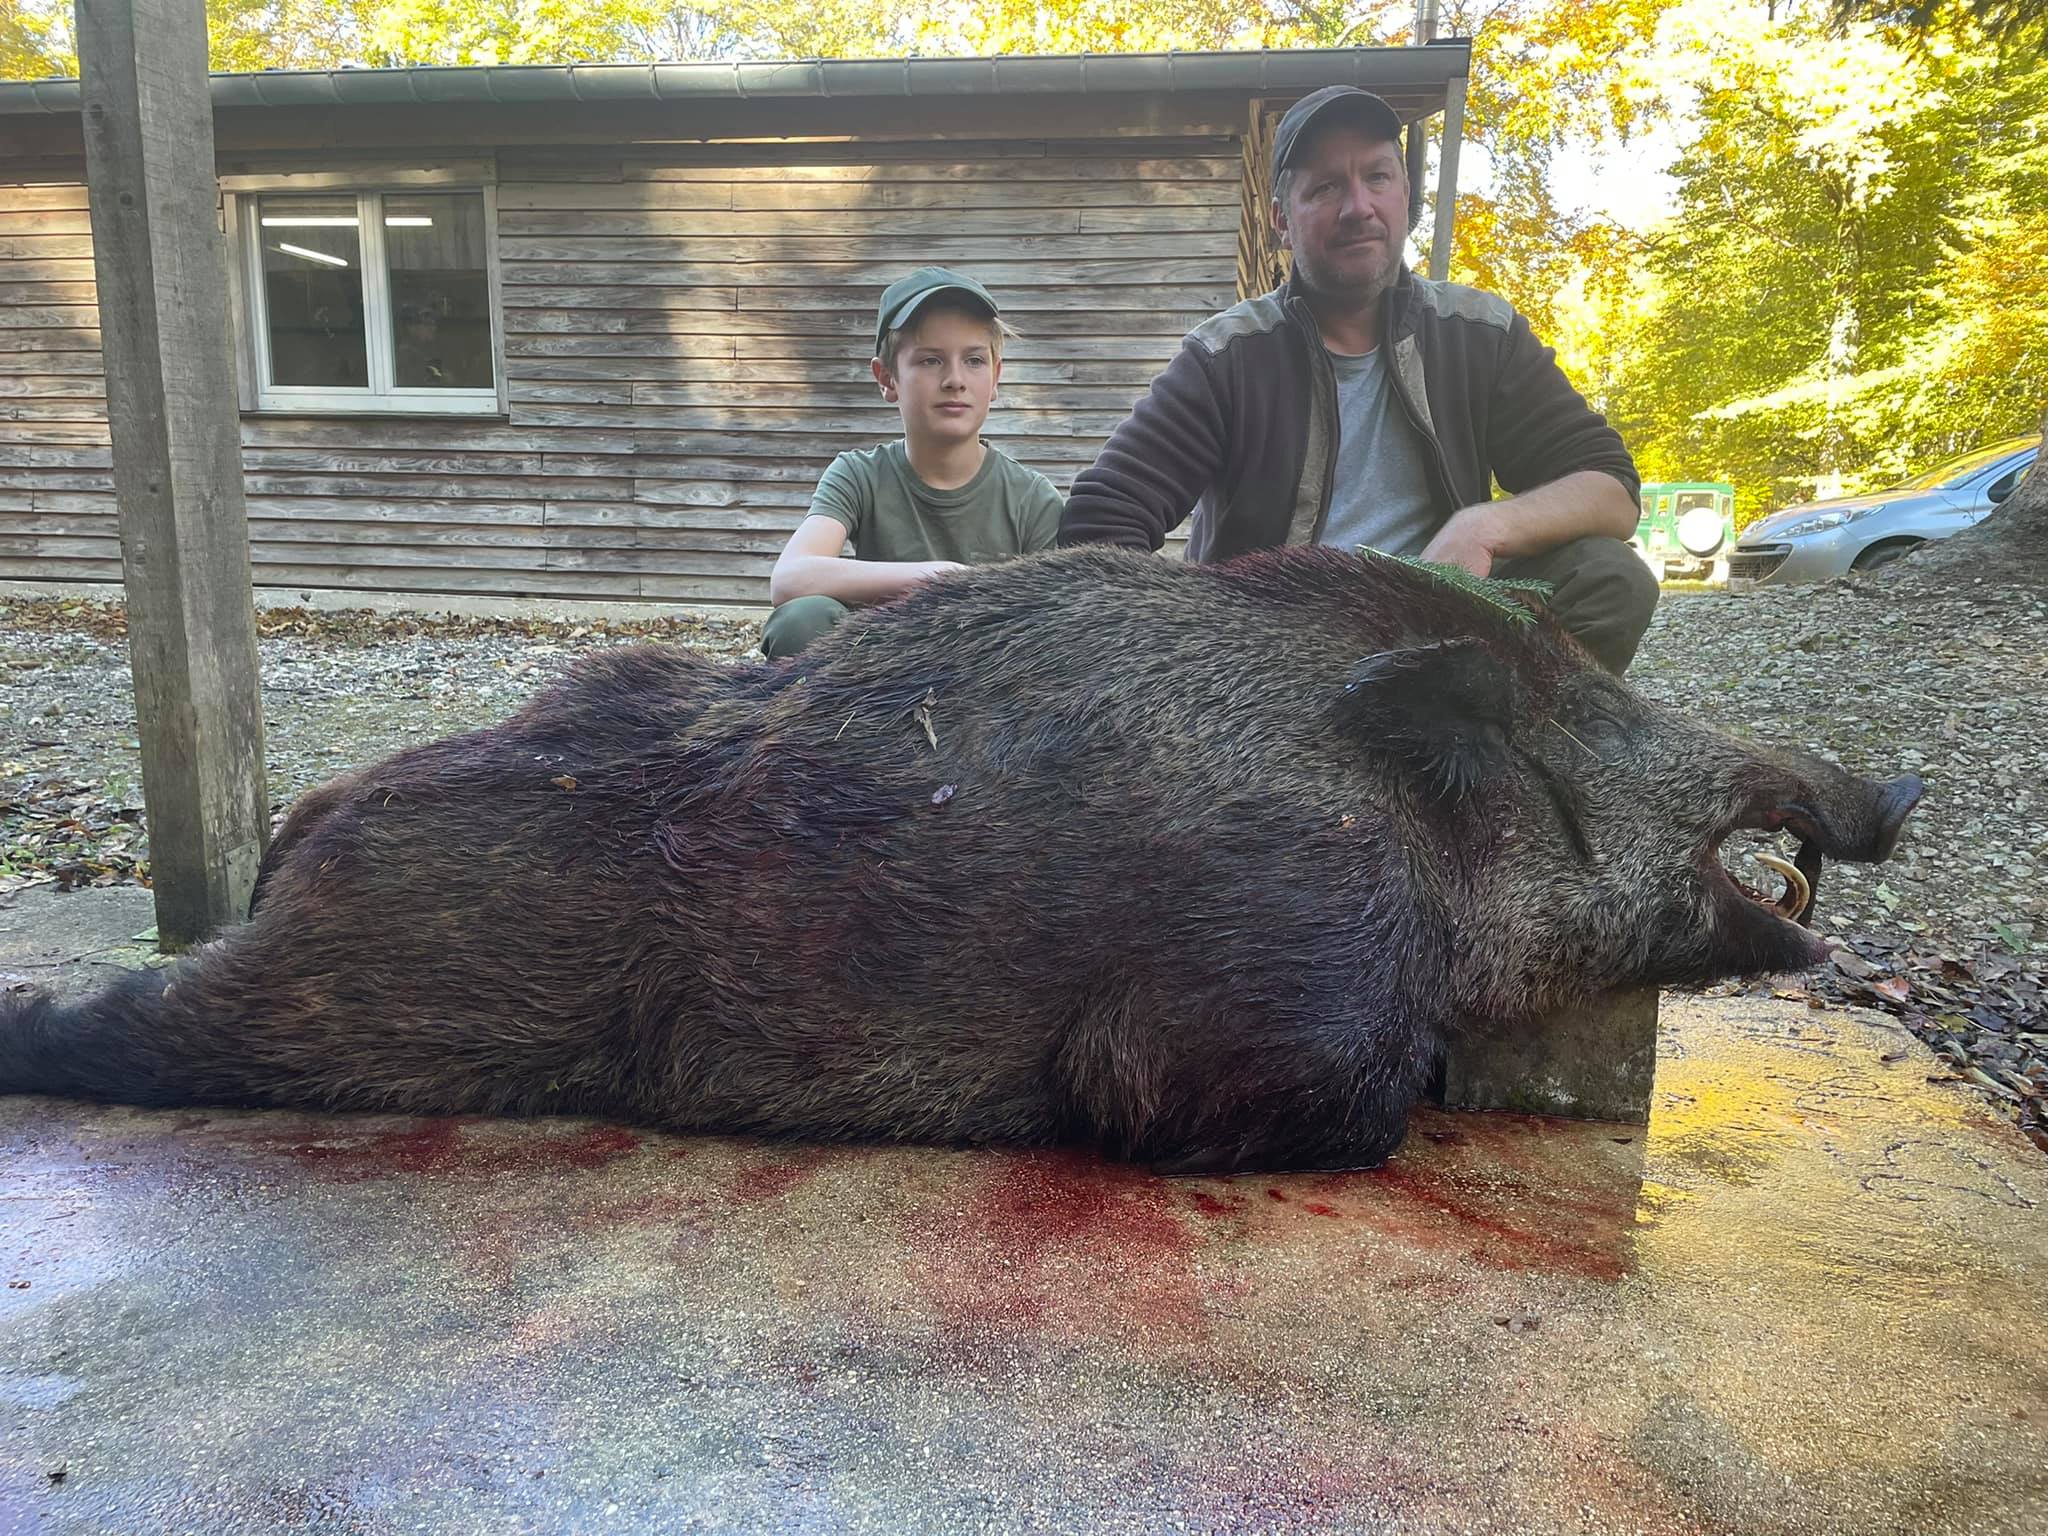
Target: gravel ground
[[1892, 673], [1887, 676]]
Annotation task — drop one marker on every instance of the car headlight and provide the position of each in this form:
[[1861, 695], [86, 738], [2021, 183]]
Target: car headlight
[[1819, 523]]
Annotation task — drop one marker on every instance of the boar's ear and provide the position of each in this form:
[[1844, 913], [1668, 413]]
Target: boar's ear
[[1444, 711]]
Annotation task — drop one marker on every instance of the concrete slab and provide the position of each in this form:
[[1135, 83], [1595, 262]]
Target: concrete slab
[[1809, 1297], [1597, 1061], [70, 942]]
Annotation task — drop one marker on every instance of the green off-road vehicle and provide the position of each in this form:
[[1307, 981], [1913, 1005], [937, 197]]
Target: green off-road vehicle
[[1687, 529]]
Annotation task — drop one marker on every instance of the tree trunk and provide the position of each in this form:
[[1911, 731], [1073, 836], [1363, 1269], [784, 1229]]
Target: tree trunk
[[2010, 545]]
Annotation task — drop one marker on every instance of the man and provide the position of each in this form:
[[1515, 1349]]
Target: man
[[1358, 404]]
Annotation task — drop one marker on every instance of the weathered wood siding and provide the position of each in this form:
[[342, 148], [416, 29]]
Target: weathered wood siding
[[56, 467], [686, 347]]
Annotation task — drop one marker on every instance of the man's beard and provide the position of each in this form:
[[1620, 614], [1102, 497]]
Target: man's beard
[[1370, 291]]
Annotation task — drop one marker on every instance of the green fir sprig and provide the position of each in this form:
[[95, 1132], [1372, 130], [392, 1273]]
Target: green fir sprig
[[1498, 592]]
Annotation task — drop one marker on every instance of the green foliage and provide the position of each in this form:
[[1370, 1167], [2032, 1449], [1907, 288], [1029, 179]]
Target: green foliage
[[2007, 20], [1853, 286], [321, 34], [35, 40], [1502, 593], [1548, 77]]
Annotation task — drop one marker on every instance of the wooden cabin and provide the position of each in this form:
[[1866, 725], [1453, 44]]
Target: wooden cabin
[[593, 331]]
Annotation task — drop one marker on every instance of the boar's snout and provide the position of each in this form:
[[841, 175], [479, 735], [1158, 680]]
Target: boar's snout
[[1894, 806], [1850, 818], [1842, 817]]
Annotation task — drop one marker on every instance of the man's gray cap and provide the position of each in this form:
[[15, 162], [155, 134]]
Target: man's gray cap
[[1333, 103]]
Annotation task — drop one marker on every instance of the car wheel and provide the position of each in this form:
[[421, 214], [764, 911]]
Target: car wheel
[[1883, 554]]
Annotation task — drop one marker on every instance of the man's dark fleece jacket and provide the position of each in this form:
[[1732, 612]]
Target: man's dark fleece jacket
[[1242, 425]]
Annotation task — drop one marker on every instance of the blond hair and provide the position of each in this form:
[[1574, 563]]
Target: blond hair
[[999, 330]]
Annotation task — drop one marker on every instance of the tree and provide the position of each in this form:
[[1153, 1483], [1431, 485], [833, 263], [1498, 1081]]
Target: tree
[[1547, 76], [1852, 285], [35, 42], [2002, 19], [316, 34], [1992, 338]]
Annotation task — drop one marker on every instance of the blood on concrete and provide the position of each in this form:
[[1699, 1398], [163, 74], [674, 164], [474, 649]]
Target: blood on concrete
[[1025, 1244], [334, 1150]]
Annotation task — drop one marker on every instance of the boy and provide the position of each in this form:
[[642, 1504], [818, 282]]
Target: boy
[[939, 499]]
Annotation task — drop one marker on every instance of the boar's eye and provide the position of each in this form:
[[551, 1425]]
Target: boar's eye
[[1606, 737]]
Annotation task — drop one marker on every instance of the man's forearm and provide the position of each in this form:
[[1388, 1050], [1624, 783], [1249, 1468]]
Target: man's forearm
[[1155, 465], [1587, 503]]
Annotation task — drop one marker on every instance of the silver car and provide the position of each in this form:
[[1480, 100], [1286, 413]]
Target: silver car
[[1824, 539]]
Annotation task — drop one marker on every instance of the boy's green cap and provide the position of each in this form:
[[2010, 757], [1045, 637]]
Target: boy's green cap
[[901, 298]]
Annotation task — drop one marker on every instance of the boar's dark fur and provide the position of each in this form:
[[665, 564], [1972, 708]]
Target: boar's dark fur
[[1194, 864]]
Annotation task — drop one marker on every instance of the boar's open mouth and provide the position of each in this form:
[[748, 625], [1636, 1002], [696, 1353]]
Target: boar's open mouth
[[1795, 901], [1864, 829]]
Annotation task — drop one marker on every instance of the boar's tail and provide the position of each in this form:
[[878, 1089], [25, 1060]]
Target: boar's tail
[[108, 1047]]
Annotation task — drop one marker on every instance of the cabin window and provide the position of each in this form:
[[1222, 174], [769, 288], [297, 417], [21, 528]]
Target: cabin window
[[370, 301]]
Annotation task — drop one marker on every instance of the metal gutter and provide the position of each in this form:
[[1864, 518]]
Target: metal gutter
[[1261, 70]]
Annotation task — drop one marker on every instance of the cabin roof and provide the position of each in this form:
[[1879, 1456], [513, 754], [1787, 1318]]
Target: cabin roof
[[1414, 80]]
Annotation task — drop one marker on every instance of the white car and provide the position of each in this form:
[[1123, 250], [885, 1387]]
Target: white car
[[1825, 539]]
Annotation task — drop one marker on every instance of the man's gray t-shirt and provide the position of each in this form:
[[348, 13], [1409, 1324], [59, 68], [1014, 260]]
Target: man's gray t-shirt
[[1380, 496]]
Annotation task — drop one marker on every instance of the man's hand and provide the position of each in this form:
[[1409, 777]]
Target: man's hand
[[1583, 504], [1471, 539]]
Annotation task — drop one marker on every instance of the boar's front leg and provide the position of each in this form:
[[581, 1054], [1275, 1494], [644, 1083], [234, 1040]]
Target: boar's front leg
[[1312, 1084], [1331, 1148]]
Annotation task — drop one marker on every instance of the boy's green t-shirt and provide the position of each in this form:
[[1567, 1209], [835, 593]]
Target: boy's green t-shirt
[[890, 514]]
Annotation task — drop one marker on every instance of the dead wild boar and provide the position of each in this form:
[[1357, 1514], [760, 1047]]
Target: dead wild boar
[[1194, 864]]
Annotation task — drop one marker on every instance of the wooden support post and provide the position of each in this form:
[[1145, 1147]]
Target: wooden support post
[[1417, 151], [1418, 130], [161, 266], [1447, 179]]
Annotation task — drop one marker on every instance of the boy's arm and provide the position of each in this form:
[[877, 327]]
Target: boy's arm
[[811, 565]]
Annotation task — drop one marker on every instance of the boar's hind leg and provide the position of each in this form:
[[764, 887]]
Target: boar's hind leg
[[272, 1014]]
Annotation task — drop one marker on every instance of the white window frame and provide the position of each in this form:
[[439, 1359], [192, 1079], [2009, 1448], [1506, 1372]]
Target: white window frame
[[382, 396]]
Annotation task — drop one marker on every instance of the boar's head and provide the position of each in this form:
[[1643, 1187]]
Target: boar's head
[[1582, 832]]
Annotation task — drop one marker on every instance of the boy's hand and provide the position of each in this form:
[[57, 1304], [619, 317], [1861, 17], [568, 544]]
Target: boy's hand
[[812, 564]]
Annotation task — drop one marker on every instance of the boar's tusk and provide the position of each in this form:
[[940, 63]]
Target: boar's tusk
[[1797, 891]]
